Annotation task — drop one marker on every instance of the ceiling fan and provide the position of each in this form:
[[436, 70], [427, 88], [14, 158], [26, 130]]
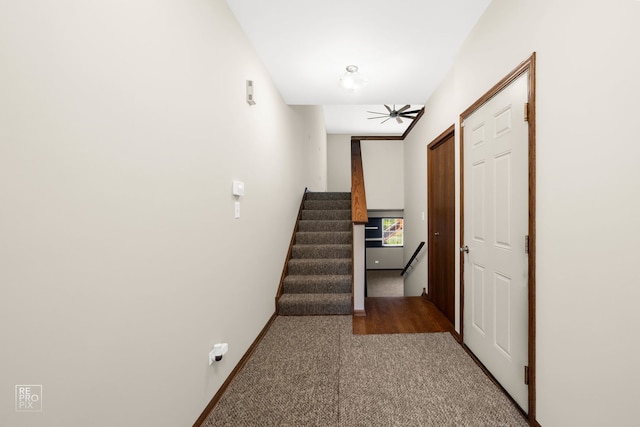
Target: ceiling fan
[[395, 114]]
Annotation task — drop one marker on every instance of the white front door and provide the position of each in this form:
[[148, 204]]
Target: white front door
[[496, 218]]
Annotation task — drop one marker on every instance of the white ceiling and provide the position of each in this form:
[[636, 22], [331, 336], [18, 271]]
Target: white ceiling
[[404, 48]]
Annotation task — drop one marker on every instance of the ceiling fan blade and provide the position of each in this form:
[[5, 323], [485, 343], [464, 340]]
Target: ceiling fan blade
[[385, 120], [403, 108], [407, 116], [376, 112], [412, 112], [398, 119], [387, 107], [376, 118]]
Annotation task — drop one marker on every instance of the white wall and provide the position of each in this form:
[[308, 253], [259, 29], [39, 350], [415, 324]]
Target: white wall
[[339, 163], [440, 115], [383, 167], [385, 258], [122, 125], [587, 186]]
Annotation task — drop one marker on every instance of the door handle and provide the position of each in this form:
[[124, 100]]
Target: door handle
[[465, 249], [436, 233]]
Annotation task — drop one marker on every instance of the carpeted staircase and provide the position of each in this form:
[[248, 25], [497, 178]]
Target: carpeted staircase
[[319, 273]]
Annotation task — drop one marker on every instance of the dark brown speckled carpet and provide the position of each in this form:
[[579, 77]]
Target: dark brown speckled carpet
[[311, 371]]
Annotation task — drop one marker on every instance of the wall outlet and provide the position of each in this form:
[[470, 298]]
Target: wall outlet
[[218, 351]]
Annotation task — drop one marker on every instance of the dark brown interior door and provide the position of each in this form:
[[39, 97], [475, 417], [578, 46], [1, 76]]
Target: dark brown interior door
[[441, 211]]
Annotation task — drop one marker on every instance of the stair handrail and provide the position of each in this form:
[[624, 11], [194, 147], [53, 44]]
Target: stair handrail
[[413, 257], [358, 197]]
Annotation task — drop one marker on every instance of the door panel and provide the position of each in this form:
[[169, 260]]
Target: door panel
[[441, 211], [478, 294], [495, 167], [502, 322], [478, 206]]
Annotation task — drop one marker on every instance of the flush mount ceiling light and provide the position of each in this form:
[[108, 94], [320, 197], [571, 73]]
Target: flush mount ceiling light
[[352, 80]]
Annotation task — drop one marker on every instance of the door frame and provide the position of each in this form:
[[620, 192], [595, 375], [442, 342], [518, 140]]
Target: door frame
[[526, 66], [443, 137]]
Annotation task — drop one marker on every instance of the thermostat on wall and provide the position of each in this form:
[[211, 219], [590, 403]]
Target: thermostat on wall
[[238, 188]]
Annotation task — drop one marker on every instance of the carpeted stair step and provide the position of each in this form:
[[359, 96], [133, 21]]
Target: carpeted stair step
[[328, 225], [321, 251], [323, 238], [322, 284], [320, 266], [322, 215], [328, 196], [314, 304], [325, 205], [319, 271]]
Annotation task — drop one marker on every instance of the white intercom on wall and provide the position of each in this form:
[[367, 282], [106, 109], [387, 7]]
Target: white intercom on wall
[[238, 188]]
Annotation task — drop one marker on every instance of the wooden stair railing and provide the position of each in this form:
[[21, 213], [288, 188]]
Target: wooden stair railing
[[358, 197]]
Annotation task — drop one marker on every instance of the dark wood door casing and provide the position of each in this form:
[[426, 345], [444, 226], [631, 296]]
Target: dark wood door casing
[[441, 226]]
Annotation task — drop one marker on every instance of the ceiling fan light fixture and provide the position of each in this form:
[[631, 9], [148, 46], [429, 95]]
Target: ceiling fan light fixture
[[392, 113], [352, 80]]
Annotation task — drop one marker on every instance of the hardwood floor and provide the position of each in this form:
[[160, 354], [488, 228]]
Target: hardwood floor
[[400, 315]]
